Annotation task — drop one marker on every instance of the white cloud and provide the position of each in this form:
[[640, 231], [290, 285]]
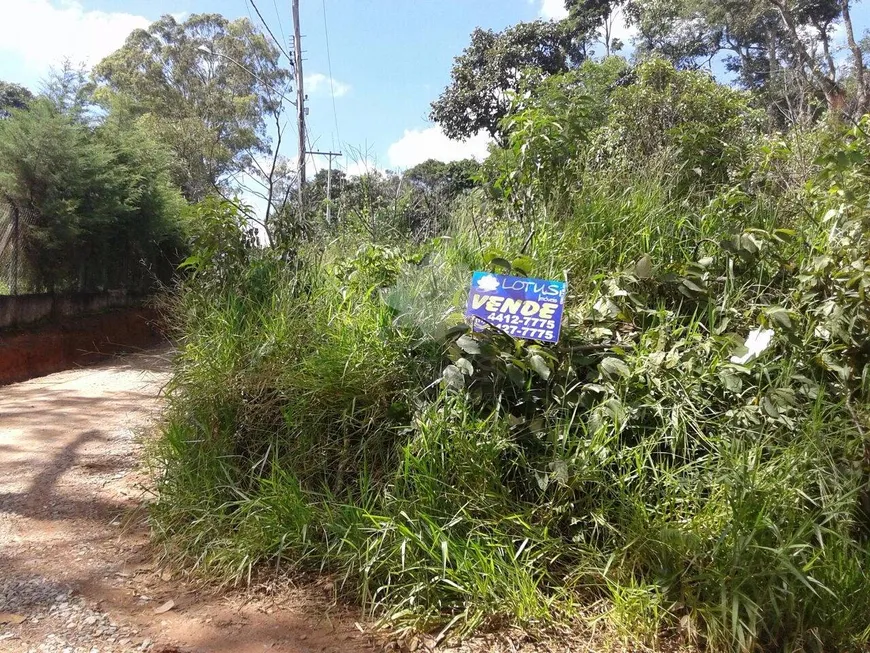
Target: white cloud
[[320, 83], [41, 33], [418, 145], [553, 10], [357, 167]]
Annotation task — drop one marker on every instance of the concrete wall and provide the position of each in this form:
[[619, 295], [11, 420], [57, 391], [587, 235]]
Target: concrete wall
[[19, 311]]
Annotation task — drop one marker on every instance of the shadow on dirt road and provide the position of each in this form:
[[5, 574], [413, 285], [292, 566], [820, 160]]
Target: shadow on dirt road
[[77, 572]]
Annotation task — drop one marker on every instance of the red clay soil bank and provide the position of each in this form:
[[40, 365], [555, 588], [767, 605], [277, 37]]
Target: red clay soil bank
[[48, 348]]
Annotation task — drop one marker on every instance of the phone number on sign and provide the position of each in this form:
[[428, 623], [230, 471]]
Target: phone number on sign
[[503, 320], [524, 327]]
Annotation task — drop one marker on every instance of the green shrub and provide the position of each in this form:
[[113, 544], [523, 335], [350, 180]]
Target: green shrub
[[699, 126], [691, 457], [104, 213]]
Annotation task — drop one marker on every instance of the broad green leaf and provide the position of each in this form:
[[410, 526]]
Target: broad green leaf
[[606, 307], [785, 235], [465, 366], [190, 262], [453, 331], [672, 359], [731, 381], [453, 377], [501, 263], [643, 269], [515, 374], [559, 468], [770, 407], [468, 344], [749, 244], [537, 363], [691, 285], [780, 316], [615, 409], [523, 265], [614, 368]]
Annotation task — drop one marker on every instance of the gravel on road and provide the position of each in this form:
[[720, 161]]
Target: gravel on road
[[78, 572]]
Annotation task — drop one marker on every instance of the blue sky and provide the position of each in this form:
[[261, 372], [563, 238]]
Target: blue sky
[[390, 58]]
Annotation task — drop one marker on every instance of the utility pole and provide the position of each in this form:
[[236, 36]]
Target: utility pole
[[300, 96], [328, 183]]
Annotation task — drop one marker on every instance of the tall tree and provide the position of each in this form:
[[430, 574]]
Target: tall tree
[[773, 46], [594, 18], [796, 16], [100, 200], [70, 90], [206, 87], [673, 29], [497, 63], [447, 179], [857, 58]]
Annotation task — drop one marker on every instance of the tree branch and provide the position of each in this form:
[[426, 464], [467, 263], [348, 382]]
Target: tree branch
[[833, 92], [857, 56]]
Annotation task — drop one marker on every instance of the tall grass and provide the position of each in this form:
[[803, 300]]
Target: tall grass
[[684, 493]]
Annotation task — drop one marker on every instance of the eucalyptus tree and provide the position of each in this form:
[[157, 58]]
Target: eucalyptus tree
[[207, 87]]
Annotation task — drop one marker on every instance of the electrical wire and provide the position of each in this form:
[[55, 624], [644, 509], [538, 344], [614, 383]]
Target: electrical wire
[[280, 24], [266, 25], [331, 82], [311, 152]]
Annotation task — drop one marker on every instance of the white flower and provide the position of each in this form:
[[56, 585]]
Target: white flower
[[757, 342], [488, 283]]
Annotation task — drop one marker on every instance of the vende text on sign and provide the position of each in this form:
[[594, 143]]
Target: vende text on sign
[[521, 307]]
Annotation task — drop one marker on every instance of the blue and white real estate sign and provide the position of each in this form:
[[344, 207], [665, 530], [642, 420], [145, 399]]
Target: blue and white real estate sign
[[521, 307]]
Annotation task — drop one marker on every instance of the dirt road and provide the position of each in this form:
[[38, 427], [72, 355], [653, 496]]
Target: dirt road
[[76, 569]]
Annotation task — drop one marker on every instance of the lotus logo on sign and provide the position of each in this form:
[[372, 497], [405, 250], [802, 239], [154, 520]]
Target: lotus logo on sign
[[521, 307]]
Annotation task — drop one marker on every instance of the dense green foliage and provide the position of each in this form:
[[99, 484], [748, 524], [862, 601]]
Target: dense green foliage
[[496, 63], [100, 208], [205, 87], [689, 462], [13, 96], [95, 170], [412, 205], [785, 51]]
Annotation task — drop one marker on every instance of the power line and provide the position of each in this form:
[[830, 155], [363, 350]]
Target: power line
[[280, 22], [254, 75], [330, 154], [266, 25], [311, 152], [329, 65]]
